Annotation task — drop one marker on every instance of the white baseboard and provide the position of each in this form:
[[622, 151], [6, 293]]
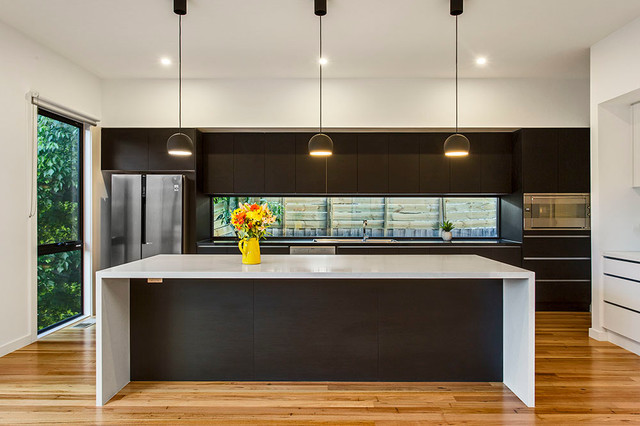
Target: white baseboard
[[600, 335], [16, 344], [623, 342]]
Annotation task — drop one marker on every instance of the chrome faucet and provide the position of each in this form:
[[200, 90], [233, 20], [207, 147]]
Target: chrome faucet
[[364, 231]]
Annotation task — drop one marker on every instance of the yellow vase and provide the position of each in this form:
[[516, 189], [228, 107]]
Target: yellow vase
[[250, 251]]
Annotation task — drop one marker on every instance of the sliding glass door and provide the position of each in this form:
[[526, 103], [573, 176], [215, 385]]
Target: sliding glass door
[[60, 229]]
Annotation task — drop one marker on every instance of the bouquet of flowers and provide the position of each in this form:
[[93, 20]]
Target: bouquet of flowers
[[252, 220]]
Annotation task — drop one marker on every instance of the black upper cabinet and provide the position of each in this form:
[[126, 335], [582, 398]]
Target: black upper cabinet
[[218, 163], [248, 163], [555, 160], [373, 163], [279, 163], [434, 165], [574, 160], [125, 149], [466, 172], [342, 166], [540, 160], [404, 163], [143, 150], [159, 158], [310, 170], [496, 155]]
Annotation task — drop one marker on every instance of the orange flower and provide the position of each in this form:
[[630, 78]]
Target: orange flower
[[254, 207]]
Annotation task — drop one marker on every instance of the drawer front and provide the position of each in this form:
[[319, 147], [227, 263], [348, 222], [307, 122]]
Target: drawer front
[[563, 296], [622, 321], [559, 269], [622, 269], [622, 292], [556, 246]]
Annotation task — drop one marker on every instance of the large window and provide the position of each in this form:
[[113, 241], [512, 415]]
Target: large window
[[398, 217], [59, 220]]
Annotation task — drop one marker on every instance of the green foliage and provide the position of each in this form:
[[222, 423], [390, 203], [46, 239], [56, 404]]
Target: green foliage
[[59, 209], [447, 226]]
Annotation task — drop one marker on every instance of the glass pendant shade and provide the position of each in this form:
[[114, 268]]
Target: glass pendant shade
[[320, 145], [456, 145], [180, 144]]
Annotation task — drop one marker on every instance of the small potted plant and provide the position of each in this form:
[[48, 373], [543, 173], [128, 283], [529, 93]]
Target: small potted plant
[[446, 227]]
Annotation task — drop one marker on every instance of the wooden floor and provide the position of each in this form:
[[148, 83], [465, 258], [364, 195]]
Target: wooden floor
[[578, 380]]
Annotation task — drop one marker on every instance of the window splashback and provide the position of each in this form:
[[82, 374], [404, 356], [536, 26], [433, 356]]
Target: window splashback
[[397, 217]]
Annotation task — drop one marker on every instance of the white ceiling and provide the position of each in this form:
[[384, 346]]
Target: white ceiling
[[363, 38]]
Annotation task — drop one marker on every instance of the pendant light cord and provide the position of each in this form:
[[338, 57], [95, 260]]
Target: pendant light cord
[[320, 63], [180, 74], [456, 73]]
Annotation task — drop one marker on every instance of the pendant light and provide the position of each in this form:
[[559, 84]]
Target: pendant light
[[320, 144], [180, 144], [456, 145]]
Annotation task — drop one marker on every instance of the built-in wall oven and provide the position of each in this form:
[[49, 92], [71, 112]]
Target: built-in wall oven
[[557, 211]]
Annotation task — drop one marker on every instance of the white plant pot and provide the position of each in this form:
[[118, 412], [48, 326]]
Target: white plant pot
[[446, 236]]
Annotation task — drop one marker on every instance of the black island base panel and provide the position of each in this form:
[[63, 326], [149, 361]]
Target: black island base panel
[[317, 330]]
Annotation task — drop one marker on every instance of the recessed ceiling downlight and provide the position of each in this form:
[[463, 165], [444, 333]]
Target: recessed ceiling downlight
[[165, 61], [323, 61], [481, 60]]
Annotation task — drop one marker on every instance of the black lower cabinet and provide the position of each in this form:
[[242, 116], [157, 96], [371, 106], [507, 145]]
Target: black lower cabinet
[[316, 330], [563, 295], [192, 330], [441, 330]]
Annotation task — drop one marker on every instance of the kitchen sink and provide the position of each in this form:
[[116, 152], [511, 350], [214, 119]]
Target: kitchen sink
[[354, 240]]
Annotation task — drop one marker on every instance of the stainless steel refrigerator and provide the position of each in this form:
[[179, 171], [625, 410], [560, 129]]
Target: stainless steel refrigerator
[[146, 216]]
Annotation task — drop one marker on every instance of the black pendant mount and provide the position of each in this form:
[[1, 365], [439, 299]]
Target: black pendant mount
[[456, 7], [320, 7], [180, 7]]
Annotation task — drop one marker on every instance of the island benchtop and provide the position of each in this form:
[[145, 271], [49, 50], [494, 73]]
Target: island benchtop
[[317, 267]]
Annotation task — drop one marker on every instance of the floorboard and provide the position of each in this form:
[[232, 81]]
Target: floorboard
[[578, 380]]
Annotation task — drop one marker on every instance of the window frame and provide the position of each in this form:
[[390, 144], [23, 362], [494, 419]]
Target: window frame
[[441, 198], [67, 246]]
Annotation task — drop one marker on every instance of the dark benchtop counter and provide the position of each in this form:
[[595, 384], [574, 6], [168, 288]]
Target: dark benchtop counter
[[371, 243]]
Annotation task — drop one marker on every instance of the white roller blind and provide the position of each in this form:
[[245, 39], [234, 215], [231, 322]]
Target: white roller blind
[[41, 102]]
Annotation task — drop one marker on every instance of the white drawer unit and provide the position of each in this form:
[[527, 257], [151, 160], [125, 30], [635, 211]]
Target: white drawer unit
[[622, 321], [622, 294], [622, 268]]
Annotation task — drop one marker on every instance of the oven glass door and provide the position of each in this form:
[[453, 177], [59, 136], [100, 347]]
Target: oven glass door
[[559, 211]]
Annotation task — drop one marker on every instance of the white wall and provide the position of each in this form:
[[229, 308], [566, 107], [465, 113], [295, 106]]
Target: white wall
[[27, 66], [615, 85], [349, 103]]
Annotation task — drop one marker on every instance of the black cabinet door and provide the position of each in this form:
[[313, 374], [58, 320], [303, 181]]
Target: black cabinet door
[[574, 160], [342, 166], [280, 163], [248, 163], [159, 158], [404, 163], [466, 172], [496, 154], [218, 163], [411, 348], [373, 163], [316, 330], [187, 329], [125, 149], [540, 160], [310, 170], [434, 165]]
